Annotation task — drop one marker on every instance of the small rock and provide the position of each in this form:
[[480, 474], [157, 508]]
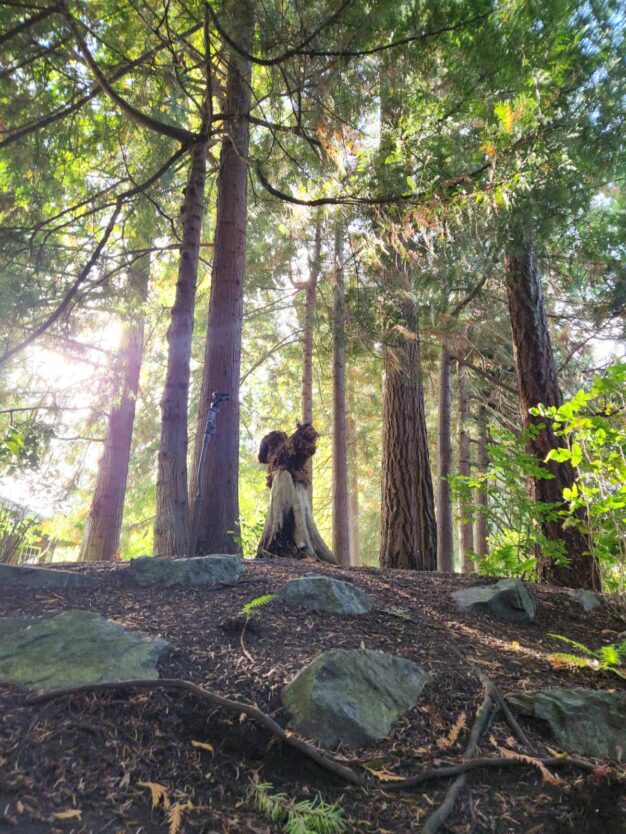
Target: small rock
[[74, 647], [27, 576], [321, 593], [585, 721], [352, 696], [148, 571], [587, 599], [508, 599]]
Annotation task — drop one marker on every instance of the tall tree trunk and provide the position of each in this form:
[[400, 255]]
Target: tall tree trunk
[[353, 479], [482, 548], [171, 528], [101, 538], [466, 530], [408, 526], [341, 523], [445, 540], [219, 508], [315, 266], [537, 383]]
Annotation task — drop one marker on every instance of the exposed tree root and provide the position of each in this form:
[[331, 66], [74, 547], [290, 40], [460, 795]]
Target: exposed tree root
[[344, 772], [481, 722]]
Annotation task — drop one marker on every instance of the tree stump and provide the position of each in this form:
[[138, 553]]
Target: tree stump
[[290, 530]]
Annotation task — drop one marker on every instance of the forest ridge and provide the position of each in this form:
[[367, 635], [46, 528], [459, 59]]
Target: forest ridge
[[402, 223]]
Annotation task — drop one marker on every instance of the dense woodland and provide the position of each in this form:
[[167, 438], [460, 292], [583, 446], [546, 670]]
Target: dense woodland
[[403, 222]]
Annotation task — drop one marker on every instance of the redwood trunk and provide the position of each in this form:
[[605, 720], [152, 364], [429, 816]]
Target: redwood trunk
[[409, 529], [101, 538], [315, 266], [466, 530], [445, 541], [341, 523], [537, 383], [218, 528], [355, 533], [171, 529], [482, 548]]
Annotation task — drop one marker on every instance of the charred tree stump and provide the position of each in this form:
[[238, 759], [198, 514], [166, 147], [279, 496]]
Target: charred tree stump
[[290, 530]]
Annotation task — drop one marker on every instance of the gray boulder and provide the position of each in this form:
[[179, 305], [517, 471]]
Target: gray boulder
[[74, 647], [322, 593], [201, 570], [584, 721], [352, 696], [587, 599], [27, 576], [508, 599]]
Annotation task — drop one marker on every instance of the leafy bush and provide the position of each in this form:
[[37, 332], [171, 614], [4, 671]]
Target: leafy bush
[[592, 425]]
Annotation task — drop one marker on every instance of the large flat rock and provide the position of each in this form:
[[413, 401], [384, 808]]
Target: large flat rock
[[585, 721], [322, 593], [74, 647], [149, 571], [508, 599], [27, 576], [352, 696]]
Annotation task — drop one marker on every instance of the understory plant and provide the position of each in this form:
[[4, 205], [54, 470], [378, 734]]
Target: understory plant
[[592, 425], [309, 816], [605, 659], [592, 428]]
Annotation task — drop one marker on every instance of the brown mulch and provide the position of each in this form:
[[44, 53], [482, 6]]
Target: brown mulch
[[88, 754]]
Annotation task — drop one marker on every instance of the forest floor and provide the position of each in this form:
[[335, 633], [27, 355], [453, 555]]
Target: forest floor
[[90, 753]]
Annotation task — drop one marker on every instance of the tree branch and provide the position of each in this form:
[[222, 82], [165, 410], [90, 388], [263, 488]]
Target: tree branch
[[174, 132], [84, 273], [26, 24], [279, 59], [120, 72]]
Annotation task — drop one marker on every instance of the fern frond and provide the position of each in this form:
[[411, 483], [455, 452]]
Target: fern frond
[[258, 602]]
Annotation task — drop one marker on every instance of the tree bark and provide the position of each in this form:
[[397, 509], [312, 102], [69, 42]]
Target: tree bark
[[219, 509], [353, 479], [315, 266], [482, 548], [466, 529], [445, 540], [101, 538], [171, 529], [537, 383], [290, 530], [408, 526], [341, 523]]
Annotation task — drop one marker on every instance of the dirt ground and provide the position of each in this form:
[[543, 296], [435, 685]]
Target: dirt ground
[[76, 765]]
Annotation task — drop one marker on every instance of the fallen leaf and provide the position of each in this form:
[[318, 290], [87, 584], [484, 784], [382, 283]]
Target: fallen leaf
[[385, 775], [175, 816], [70, 814], [158, 793], [546, 776], [459, 724], [203, 745]]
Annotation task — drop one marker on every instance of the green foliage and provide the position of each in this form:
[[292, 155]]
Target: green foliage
[[258, 602], [514, 518], [310, 816], [605, 659], [592, 425]]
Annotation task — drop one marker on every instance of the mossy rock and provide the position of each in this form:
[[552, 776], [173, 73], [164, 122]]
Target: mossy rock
[[72, 648], [352, 696]]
